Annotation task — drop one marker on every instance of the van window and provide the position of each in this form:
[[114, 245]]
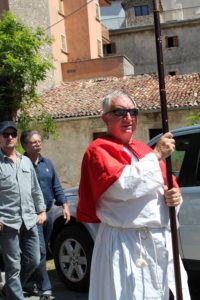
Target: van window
[[185, 160]]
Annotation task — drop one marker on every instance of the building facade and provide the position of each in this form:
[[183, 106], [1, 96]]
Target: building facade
[[75, 26], [180, 24]]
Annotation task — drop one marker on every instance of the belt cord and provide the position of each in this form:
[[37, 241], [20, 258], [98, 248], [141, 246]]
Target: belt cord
[[141, 262]]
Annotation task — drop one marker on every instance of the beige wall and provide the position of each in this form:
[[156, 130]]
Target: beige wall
[[57, 27], [75, 135], [66, 153], [77, 31], [82, 29], [95, 30]]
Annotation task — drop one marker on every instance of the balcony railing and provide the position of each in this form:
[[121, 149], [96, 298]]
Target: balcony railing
[[114, 23]]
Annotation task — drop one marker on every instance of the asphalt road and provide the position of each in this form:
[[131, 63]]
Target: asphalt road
[[60, 292]]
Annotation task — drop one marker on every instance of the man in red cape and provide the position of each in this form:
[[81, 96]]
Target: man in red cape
[[123, 186]]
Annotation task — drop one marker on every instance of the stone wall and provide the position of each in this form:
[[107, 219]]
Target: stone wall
[[138, 44], [35, 14], [131, 19]]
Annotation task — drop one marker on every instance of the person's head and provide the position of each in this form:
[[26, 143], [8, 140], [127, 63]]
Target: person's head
[[8, 135], [120, 115], [31, 142]]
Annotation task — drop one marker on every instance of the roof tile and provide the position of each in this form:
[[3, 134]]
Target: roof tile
[[84, 97]]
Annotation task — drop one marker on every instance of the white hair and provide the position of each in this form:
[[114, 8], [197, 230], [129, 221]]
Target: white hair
[[106, 103]]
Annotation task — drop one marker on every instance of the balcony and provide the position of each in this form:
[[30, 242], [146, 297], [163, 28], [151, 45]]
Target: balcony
[[105, 35]]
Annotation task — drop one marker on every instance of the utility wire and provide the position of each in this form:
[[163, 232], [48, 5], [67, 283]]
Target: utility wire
[[75, 11]]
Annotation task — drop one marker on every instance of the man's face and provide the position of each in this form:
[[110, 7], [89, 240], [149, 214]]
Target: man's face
[[8, 139], [34, 144], [121, 127]]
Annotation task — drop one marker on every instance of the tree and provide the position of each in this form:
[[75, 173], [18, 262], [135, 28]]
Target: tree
[[22, 66], [193, 118]]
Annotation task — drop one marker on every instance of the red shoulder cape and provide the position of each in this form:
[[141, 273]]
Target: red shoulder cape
[[102, 165]]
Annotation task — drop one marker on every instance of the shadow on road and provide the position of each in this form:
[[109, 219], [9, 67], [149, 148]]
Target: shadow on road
[[60, 292]]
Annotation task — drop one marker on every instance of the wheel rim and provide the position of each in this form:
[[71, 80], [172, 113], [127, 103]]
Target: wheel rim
[[73, 260]]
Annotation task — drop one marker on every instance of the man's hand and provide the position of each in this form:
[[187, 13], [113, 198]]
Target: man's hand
[[165, 146], [41, 218], [172, 196], [66, 212]]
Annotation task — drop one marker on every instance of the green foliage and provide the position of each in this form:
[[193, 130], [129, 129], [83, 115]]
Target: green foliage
[[22, 66], [43, 122], [19, 148], [193, 118]]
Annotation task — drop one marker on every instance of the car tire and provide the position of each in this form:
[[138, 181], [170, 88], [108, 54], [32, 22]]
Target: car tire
[[72, 256]]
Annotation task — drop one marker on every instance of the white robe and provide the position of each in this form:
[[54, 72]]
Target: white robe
[[134, 230]]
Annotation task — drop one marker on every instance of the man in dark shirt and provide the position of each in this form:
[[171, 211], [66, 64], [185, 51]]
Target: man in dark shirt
[[52, 191]]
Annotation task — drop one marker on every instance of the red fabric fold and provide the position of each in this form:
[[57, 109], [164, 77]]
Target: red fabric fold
[[102, 165]]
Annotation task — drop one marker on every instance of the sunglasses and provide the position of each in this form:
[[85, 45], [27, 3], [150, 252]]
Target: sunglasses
[[7, 134], [122, 112]]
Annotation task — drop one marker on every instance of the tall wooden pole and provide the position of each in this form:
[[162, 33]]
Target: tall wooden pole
[[165, 126]]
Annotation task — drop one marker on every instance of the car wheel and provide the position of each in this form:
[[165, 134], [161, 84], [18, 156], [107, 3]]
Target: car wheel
[[72, 256]]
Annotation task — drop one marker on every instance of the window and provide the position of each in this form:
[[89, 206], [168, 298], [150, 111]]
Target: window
[[177, 160], [109, 48], [99, 47], [185, 160], [60, 6], [97, 12], [63, 43], [171, 41], [153, 132], [141, 10], [172, 73]]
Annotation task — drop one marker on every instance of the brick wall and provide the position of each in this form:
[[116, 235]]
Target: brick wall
[[108, 66]]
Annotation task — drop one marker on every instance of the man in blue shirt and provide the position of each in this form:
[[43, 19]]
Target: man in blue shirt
[[21, 207], [52, 191]]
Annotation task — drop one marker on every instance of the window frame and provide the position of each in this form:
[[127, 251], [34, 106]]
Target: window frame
[[98, 15], [64, 47], [189, 171], [61, 7], [171, 41], [99, 48], [139, 10]]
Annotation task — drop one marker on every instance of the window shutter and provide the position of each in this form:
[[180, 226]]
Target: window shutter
[[176, 41], [167, 42]]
